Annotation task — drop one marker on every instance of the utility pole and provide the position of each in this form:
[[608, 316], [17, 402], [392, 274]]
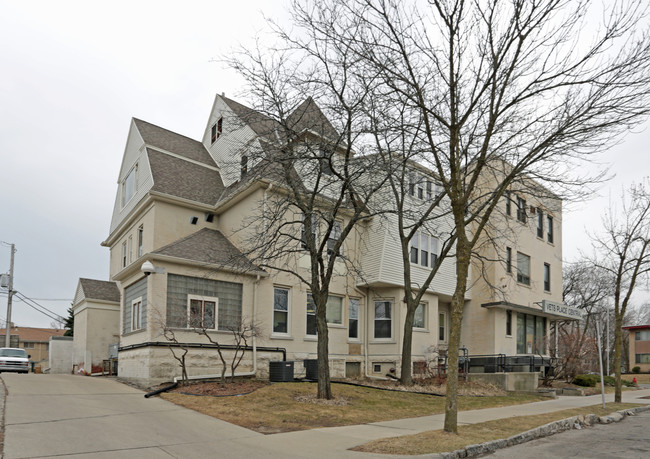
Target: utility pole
[[607, 323], [11, 293]]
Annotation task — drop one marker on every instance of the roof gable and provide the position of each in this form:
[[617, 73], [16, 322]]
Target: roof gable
[[210, 247], [181, 145], [99, 290]]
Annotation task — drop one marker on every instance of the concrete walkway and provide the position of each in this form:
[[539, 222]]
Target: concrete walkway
[[74, 416]]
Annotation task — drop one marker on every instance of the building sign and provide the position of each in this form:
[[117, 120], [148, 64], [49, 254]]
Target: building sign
[[561, 309]]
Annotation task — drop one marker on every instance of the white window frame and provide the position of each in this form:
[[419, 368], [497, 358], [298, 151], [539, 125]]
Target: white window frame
[[418, 242], [522, 278], [203, 300], [288, 311], [123, 254], [521, 210], [327, 317], [390, 319], [136, 314], [140, 240], [425, 314], [442, 326], [547, 277], [133, 174], [130, 249], [549, 228], [334, 236], [358, 319], [540, 223]]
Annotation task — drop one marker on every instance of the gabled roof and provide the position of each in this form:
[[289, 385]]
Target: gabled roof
[[100, 290], [183, 179], [176, 143], [210, 247], [308, 116], [263, 126]]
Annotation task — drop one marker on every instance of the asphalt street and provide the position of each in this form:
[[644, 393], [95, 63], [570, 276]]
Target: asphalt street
[[629, 439]]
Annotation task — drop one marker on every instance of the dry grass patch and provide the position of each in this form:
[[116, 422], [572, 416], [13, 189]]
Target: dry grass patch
[[284, 407], [438, 441], [641, 378]]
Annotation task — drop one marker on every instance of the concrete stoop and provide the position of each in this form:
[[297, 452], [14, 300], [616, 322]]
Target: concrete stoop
[[574, 422]]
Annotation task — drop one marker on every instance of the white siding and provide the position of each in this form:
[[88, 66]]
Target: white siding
[[133, 153], [79, 296], [236, 139]]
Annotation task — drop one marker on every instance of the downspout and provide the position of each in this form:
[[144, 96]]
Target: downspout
[[257, 281]]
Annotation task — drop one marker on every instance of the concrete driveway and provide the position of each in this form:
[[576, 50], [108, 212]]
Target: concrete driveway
[[62, 415]]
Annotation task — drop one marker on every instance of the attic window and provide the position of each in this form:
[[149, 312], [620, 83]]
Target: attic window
[[129, 185], [244, 165], [217, 129]]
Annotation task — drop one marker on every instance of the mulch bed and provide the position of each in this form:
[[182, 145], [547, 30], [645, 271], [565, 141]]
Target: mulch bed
[[216, 389]]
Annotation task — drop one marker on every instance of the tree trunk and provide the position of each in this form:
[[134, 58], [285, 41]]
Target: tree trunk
[[457, 304], [406, 374], [618, 396], [324, 386]]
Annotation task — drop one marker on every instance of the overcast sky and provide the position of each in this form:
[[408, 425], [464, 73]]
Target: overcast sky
[[72, 74]]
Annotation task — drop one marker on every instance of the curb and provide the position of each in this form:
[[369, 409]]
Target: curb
[[574, 422]]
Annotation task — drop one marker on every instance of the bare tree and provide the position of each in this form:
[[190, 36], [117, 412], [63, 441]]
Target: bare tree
[[483, 90], [584, 287], [179, 351], [242, 332], [622, 251]]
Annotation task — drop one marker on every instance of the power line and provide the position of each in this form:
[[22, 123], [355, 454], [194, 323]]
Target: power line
[[42, 309]]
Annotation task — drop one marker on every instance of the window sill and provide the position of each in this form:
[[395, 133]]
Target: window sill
[[421, 330], [285, 337], [354, 341], [134, 332], [383, 341]]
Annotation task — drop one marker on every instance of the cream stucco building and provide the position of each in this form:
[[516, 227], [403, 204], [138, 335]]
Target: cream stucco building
[[183, 205]]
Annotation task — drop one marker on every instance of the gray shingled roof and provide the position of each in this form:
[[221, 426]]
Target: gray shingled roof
[[211, 247], [263, 126], [308, 116], [170, 141], [177, 177], [100, 290]]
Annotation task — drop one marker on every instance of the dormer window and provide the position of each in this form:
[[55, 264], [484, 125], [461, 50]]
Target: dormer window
[[217, 129], [129, 185], [244, 165]]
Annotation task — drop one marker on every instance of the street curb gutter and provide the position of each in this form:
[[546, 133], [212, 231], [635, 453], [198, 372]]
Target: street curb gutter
[[574, 422]]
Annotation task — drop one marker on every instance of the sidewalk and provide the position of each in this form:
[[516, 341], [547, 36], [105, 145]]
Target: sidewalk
[[99, 418], [333, 442]]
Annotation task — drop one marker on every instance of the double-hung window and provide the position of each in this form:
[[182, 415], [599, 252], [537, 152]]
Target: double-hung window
[[335, 234], [523, 268], [129, 185], [508, 260], [419, 319], [280, 310], [303, 230], [521, 209], [424, 250], [540, 223], [217, 129], [442, 326], [202, 312], [383, 319], [140, 239], [136, 314], [508, 203], [124, 254], [547, 277], [549, 228], [333, 312], [353, 319]]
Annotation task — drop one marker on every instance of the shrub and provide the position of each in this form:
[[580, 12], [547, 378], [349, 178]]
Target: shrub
[[586, 380], [636, 370]]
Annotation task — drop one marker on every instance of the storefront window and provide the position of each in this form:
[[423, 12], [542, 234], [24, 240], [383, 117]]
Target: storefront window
[[531, 331]]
